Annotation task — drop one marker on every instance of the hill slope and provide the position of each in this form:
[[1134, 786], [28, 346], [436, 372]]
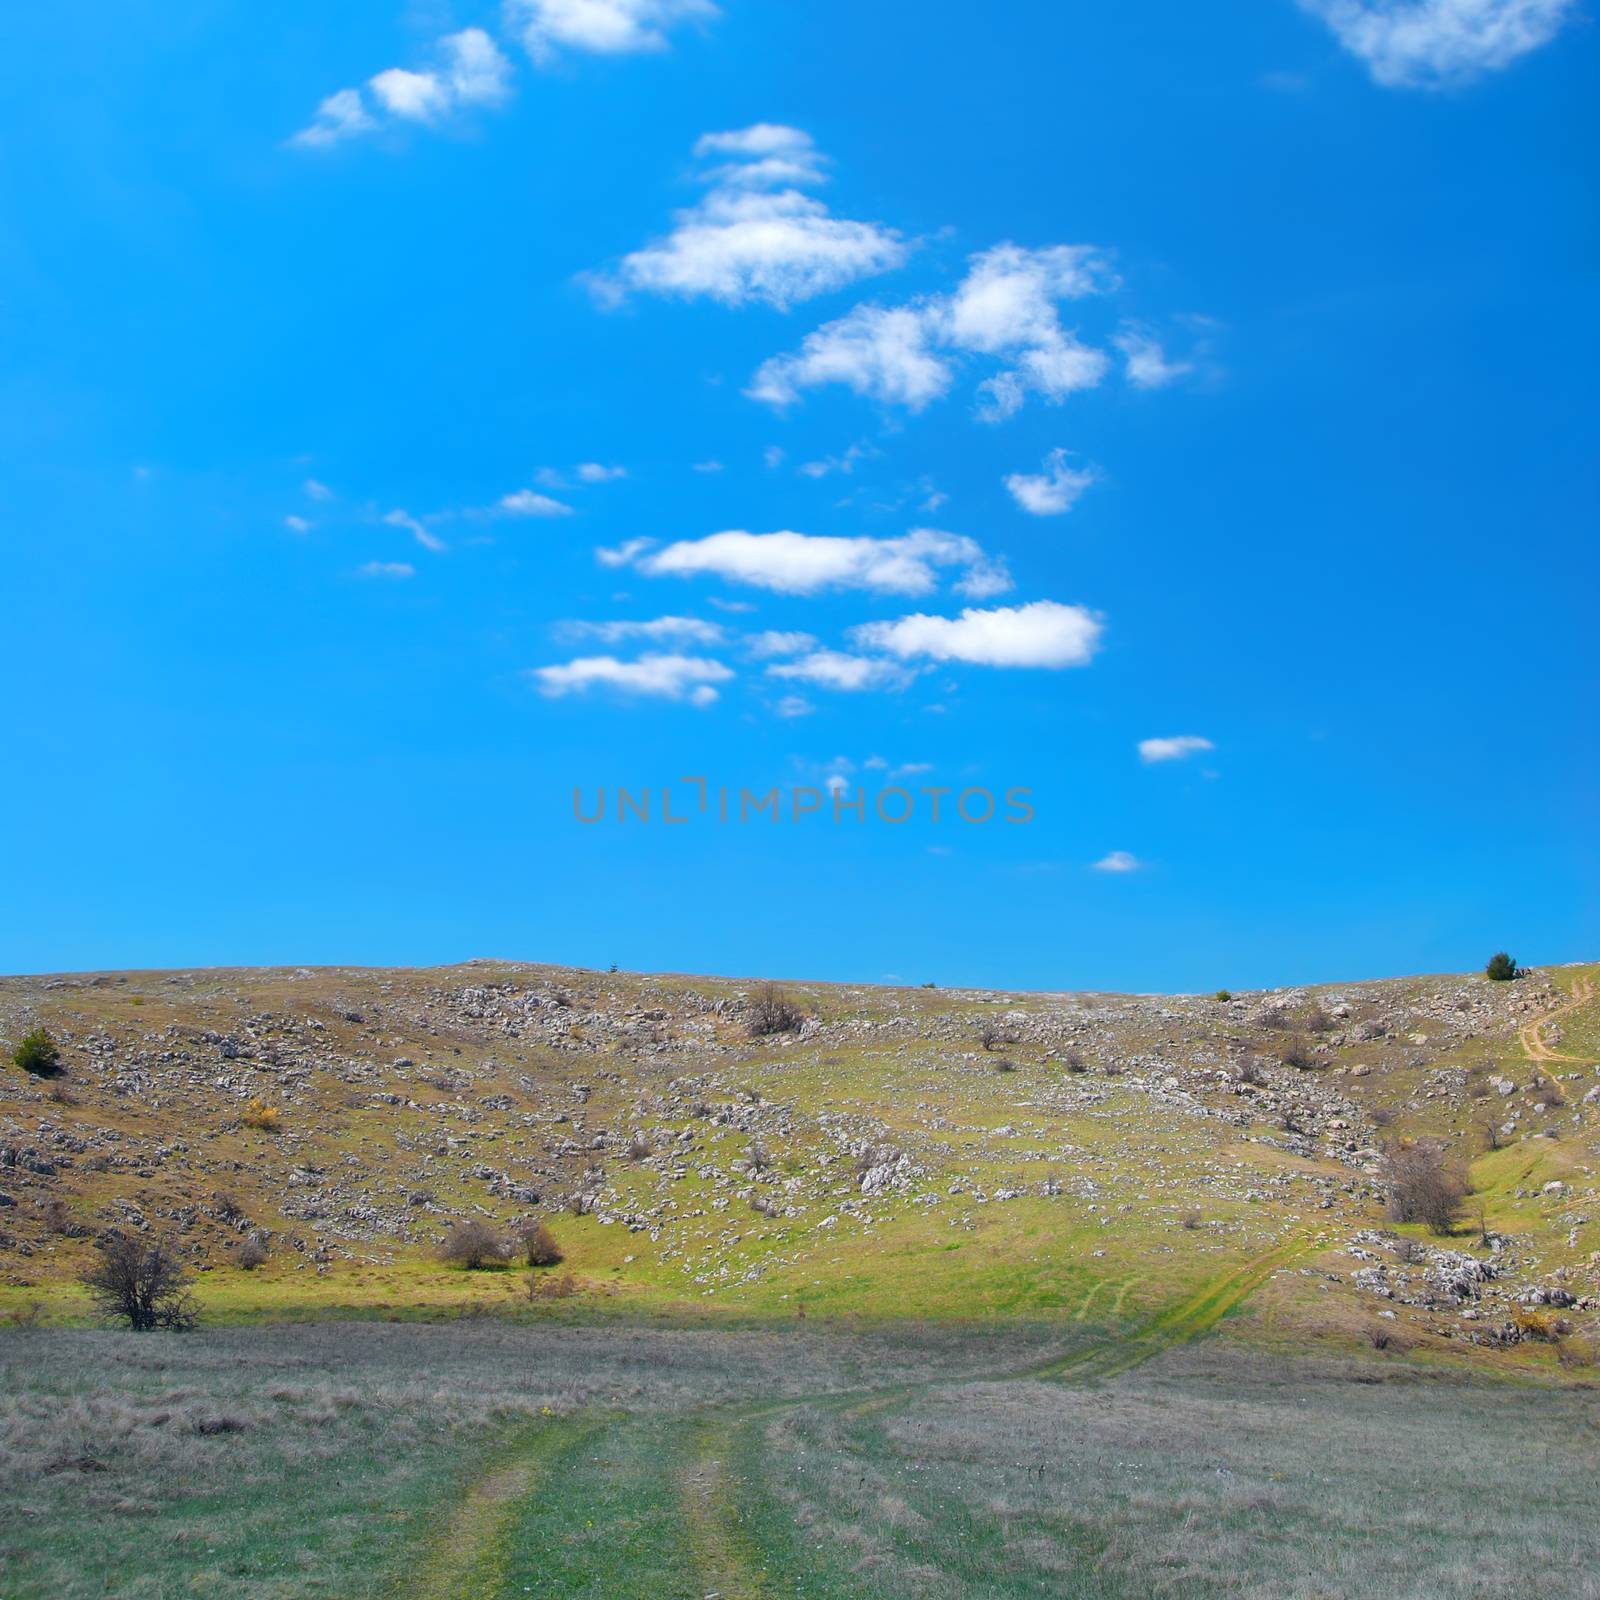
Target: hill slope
[[905, 1152]]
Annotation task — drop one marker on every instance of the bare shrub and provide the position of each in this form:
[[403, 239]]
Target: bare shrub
[[1273, 1016], [640, 1148], [1249, 1070], [993, 1032], [1074, 1063], [552, 1288], [1382, 1116], [1005, 1064], [538, 1244], [474, 1245], [1297, 1054], [55, 1216], [1191, 1220], [772, 1011], [1112, 1069], [1406, 1249], [1382, 1338], [1424, 1185], [757, 1158], [1489, 1131], [28, 1316], [1316, 1020], [144, 1285], [1548, 1096], [251, 1253]]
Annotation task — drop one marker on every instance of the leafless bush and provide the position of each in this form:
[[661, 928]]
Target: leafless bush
[[757, 1158], [55, 1216], [227, 1206], [1248, 1070], [473, 1244], [1316, 1020], [251, 1253], [1548, 1096], [538, 1245], [1074, 1063], [1005, 1064], [28, 1316], [1191, 1220], [1273, 1016], [639, 1148], [1489, 1131], [772, 1011], [992, 1032], [1382, 1338], [1297, 1054], [1112, 1069], [552, 1288], [1382, 1116], [1424, 1185], [145, 1285], [1406, 1249]]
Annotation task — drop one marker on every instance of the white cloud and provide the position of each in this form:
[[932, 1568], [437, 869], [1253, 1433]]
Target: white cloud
[[427, 539], [529, 503], [340, 116], [601, 27], [692, 630], [387, 569], [666, 677], [1053, 492], [833, 669], [707, 466], [1178, 748], [1005, 308], [763, 646], [1146, 362], [595, 472], [802, 563], [624, 554], [296, 524], [1118, 861], [471, 71], [747, 240], [317, 491], [880, 354], [794, 705], [1043, 633], [1433, 44], [845, 463]]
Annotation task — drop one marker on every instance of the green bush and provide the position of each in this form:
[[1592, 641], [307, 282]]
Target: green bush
[[39, 1054], [1501, 967]]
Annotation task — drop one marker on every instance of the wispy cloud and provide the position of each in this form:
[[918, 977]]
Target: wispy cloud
[[424, 536], [598, 472], [1177, 748], [1146, 362], [1054, 491], [1440, 44], [469, 71], [530, 503], [387, 569], [657, 630], [662, 677], [834, 669], [802, 563], [749, 239], [1118, 861], [773, 642]]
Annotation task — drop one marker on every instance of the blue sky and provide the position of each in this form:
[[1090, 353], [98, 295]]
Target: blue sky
[[401, 402]]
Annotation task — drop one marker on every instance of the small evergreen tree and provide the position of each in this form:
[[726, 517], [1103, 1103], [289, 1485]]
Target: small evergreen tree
[[1501, 967], [39, 1054]]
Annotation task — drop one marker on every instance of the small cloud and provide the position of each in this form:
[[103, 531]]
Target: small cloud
[[664, 677], [595, 472], [1147, 364], [296, 524], [833, 669], [387, 569], [693, 630], [529, 503], [1118, 861], [794, 705], [773, 456], [317, 491], [774, 642], [1043, 633], [1178, 748], [624, 554], [1053, 492], [913, 769], [938, 849], [601, 27], [428, 541], [707, 466]]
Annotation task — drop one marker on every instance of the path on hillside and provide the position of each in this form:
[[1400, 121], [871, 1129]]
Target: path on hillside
[[468, 1558], [1532, 1036]]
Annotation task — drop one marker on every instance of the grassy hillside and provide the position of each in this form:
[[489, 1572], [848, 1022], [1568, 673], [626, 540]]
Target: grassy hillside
[[905, 1152]]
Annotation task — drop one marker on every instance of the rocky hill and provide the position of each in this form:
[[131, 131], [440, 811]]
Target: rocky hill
[[893, 1151]]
